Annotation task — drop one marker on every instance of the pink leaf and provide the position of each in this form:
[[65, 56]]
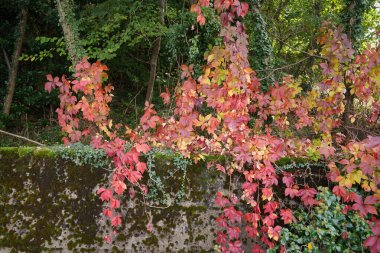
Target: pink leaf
[[165, 96], [119, 186], [244, 9], [142, 148], [116, 221], [114, 203]]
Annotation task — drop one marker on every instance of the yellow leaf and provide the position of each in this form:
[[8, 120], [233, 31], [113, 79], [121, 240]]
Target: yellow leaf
[[210, 58], [205, 80], [344, 182], [207, 71], [356, 177], [248, 70], [310, 246]]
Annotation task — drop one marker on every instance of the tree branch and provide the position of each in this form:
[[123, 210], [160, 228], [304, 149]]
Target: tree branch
[[21, 137]]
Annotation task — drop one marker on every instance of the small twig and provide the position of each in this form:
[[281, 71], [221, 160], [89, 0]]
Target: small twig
[[21, 137], [138, 59], [284, 67], [158, 207], [6, 59], [133, 99]]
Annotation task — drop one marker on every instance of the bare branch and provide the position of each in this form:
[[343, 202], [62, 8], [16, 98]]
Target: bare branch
[[22, 137]]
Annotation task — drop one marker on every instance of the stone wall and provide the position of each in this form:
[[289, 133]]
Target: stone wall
[[49, 204]]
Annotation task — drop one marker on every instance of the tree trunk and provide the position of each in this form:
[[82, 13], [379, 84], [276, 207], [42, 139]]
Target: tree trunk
[[262, 54], [70, 30], [154, 58], [352, 20], [14, 64]]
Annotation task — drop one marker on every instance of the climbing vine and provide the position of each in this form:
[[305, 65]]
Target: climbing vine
[[225, 112]]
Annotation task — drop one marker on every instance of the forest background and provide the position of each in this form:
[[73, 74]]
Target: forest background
[[144, 43]]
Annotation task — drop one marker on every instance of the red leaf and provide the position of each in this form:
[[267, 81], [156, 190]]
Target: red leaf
[[307, 196], [118, 186], [287, 216], [105, 194], [114, 203], [373, 242], [131, 192], [244, 9], [232, 214], [220, 168], [141, 167], [107, 212], [376, 228], [234, 247], [251, 231], [149, 226], [267, 194], [116, 221], [249, 189], [339, 191], [326, 151], [269, 220], [107, 239], [142, 148], [165, 96], [274, 233], [270, 207], [221, 237], [288, 180], [233, 232], [222, 222], [257, 249], [133, 176], [201, 19], [220, 200]]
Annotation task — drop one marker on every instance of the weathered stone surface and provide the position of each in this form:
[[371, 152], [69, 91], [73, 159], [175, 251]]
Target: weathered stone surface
[[48, 204]]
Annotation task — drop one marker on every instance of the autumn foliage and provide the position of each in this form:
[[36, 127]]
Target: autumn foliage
[[251, 128]]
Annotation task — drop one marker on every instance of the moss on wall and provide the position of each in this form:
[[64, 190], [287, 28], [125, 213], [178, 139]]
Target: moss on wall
[[41, 195], [49, 203]]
